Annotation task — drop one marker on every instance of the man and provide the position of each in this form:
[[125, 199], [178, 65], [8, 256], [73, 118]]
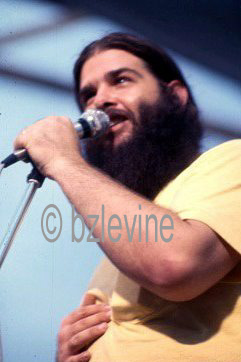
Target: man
[[175, 293]]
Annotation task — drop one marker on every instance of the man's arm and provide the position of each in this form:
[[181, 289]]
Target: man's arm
[[195, 259]]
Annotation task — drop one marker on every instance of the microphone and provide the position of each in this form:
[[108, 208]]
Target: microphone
[[92, 123]]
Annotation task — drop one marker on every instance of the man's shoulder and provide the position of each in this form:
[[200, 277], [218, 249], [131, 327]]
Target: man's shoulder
[[216, 165], [224, 155], [229, 148]]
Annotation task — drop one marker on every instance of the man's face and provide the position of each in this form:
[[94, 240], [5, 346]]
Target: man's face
[[118, 82], [156, 137]]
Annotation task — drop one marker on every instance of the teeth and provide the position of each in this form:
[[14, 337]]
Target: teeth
[[113, 123]]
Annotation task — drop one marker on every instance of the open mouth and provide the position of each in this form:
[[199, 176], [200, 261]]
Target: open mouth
[[116, 116], [115, 122]]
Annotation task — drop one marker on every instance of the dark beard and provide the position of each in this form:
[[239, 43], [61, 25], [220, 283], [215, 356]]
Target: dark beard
[[165, 143]]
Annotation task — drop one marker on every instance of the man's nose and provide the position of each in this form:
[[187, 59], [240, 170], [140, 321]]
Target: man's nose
[[104, 98]]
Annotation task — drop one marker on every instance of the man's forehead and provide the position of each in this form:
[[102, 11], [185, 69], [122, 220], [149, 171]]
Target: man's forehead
[[106, 61]]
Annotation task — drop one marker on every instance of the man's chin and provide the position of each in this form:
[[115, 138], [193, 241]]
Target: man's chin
[[120, 133]]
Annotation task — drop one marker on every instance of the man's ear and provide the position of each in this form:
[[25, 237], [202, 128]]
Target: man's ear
[[180, 90]]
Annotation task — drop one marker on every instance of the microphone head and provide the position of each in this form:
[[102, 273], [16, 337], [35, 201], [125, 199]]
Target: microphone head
[[97, 120]]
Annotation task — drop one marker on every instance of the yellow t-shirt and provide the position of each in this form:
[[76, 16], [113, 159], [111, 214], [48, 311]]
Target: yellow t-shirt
[[208, 327]]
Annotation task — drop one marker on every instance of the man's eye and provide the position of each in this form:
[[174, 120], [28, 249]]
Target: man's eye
[[122, 79]]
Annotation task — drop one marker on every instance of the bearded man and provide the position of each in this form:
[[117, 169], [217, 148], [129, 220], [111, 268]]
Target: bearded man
[[175, 296]]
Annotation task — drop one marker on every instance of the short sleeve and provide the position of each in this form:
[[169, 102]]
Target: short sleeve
[[211, 192]]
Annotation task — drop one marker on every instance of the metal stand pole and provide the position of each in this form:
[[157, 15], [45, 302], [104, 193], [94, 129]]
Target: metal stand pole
[[35, 181]]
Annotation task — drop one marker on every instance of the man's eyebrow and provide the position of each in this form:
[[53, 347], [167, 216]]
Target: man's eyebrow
[[116, 72]]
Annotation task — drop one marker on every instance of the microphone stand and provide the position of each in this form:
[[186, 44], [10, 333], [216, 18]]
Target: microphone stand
[[93, 123], [35, 180]]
